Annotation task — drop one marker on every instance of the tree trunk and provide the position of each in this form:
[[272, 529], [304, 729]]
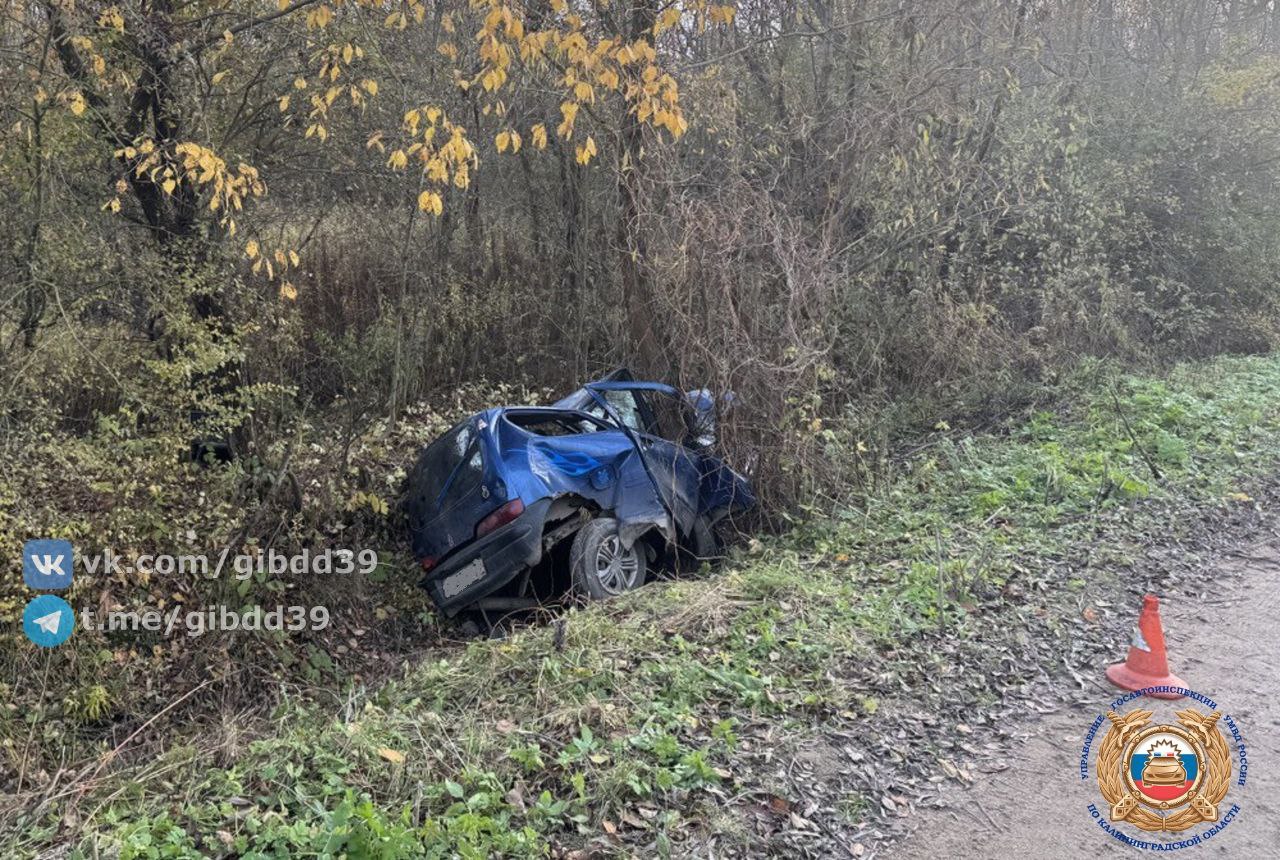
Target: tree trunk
[[637, 288], [33, 297]]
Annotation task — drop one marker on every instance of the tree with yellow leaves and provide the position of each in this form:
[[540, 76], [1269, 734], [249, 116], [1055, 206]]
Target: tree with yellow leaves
[[179, 92]]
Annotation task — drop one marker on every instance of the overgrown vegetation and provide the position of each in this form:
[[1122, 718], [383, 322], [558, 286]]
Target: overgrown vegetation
[[833, 209], [623, 723], [309, 235]]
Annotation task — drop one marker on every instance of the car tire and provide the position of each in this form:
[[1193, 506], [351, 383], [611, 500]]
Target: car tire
[[600, 567]]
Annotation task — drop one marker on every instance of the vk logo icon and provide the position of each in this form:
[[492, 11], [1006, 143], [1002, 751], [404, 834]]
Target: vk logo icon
[[48, 620], [46, 564]]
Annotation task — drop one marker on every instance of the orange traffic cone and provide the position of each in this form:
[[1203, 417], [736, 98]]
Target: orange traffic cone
[[1148, 664]]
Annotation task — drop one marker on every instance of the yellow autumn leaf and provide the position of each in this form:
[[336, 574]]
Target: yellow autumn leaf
[[370, 86], [437, 171], [112, 18], [570, 112], [398, 159], [723, 14], [219, 77], [587, 151], [539, 132], [288, 292], [319, 18], [393, 756], [251, 248], [429, 201], [77, 104], [503, 140], [667, 20]]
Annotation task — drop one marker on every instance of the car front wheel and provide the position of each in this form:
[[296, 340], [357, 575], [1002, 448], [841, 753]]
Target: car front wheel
[[600, 565]]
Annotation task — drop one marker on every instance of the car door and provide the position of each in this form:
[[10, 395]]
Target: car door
[[655, 415]]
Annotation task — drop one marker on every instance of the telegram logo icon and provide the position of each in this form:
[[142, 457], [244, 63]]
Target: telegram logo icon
[[48, 621]]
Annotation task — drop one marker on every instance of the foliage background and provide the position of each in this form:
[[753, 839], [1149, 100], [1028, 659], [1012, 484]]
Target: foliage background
[[872, 204], [869, 219]]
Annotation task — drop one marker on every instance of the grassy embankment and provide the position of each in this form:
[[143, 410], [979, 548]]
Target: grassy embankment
[[627, 725]]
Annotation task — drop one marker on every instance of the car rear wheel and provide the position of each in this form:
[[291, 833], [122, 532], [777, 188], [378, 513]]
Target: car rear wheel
[[600, 565]]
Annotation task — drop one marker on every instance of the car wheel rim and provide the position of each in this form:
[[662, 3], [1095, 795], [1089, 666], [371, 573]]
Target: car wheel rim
[[616, 568]]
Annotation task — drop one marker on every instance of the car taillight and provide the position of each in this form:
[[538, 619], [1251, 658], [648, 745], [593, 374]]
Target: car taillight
[[428, 563], [500, 517]]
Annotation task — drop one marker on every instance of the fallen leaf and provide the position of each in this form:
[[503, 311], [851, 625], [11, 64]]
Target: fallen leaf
[[393, 756]]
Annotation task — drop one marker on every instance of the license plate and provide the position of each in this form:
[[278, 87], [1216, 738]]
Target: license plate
[[456, 583]]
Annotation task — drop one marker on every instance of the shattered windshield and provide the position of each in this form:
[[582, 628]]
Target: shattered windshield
[[621, 401]]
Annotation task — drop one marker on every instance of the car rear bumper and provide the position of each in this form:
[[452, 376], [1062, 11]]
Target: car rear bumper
[[483, 566]]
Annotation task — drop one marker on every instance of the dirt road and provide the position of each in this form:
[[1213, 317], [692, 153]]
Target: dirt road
[[1224, 643]]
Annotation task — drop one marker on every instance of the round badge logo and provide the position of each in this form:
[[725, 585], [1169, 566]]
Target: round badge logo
[[1162, 776]]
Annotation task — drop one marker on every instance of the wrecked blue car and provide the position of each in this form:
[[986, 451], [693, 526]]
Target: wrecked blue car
[[518, 505]]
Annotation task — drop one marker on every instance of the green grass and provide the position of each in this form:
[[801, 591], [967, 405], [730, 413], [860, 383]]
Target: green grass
[[636, 725]]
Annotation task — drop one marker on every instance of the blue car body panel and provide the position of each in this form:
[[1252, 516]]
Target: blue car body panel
[[644, 481]]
